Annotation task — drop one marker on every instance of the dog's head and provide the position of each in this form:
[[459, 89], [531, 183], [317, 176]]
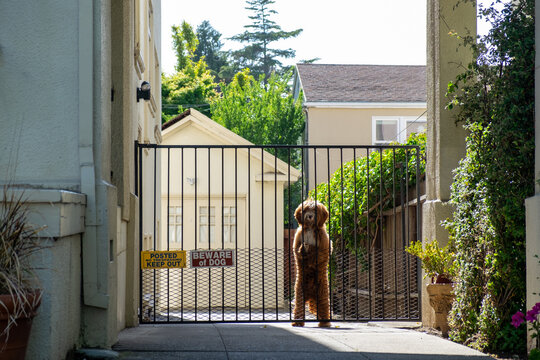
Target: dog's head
[[311, 213]]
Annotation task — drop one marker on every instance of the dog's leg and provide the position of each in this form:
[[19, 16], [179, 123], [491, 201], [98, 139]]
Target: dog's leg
[[299, 304], [324, 300]]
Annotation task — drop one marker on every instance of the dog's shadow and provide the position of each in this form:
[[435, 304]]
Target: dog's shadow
[[335, 327]]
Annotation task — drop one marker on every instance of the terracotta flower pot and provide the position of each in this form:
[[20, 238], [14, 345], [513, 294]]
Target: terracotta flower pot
[[13, 343], [441, 298]]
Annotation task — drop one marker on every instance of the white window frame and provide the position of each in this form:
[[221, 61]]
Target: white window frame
[[217, 226], [210, 224], [401, 128], [177, 221]]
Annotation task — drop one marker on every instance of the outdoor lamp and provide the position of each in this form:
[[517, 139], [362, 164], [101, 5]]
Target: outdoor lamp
[[144, 91]]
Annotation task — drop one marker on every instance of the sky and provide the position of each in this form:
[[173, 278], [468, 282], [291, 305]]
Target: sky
[[338, 31]]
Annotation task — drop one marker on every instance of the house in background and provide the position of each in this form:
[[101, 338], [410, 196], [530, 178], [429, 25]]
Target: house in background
[[222, 198], [358, 105]]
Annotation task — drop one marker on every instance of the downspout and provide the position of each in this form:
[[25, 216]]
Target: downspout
[[91, 294]]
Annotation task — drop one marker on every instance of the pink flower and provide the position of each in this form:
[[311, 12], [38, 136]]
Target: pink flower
[[531, 314], [518, 318]]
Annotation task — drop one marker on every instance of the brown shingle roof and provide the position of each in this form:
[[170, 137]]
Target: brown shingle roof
[[175, 119], [363, 83]]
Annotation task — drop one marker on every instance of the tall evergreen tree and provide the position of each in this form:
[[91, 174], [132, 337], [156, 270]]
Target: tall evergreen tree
[[209, 47], [257, 54]]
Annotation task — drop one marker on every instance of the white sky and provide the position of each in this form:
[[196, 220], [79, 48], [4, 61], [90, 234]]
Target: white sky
[[337, 31]]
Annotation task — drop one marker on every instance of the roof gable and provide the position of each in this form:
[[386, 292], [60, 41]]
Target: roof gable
[[215, 134], [362, 83]]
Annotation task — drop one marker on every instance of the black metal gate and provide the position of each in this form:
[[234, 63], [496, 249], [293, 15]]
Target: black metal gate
[[229, 210]]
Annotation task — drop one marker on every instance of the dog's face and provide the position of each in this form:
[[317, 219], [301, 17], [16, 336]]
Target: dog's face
[[311, 214]]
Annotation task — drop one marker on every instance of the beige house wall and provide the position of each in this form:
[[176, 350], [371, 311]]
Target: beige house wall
[[259, 215], [342, 126], [135, 59]]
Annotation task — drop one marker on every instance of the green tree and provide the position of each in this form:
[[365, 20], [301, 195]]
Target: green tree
[[265, 114], [257, 55], [209, 48], [185, 43], [261, 113], [193, 84], [494, 97], [192, 87]]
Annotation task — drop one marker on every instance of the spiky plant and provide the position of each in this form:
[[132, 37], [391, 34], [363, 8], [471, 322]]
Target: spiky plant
[[18, 241]]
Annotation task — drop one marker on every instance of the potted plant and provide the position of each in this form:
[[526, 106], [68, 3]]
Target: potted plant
[[19, 291], [437, 263]]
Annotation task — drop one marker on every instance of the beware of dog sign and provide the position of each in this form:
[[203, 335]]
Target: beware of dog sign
[[212, 258], [163, 259]]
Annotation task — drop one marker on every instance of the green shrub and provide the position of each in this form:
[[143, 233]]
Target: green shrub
[[356, 188], [437, 262]]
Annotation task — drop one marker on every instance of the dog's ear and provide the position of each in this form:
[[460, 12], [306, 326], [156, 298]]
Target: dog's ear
[[322, 214], [298, 214]]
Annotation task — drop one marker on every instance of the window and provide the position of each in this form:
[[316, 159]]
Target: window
[[415, 126], [207, 226], [229, 224], [175, 224], [386, 129], [210, 226]]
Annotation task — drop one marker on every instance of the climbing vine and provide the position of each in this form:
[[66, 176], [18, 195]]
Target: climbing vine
[[494, 99], [361, 188]]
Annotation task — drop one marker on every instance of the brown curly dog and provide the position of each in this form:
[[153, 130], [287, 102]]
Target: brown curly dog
[[311, 252]]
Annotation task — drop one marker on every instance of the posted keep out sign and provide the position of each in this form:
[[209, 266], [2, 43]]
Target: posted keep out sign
[[212, 258], [163, 259]]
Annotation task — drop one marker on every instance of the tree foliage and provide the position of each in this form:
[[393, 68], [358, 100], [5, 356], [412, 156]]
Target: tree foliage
[[261, 113], [193, 84], [185, 44], [265, 114], [193, 87], [494, 97], [257, 55], [209, 48]]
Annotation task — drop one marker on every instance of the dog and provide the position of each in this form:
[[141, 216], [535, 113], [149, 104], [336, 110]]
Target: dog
[[312, 250]]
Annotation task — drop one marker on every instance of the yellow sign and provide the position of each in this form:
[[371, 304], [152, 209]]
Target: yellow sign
[[163, 259]]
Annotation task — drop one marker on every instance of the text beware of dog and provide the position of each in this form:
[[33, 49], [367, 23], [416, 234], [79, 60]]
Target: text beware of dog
[[212, 258], [163, 259]]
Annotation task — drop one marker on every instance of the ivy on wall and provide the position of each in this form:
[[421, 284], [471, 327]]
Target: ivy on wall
[[494, 98]]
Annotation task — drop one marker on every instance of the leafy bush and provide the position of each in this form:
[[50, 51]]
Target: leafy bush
[[495, 102], [366, 185], [437, 262]]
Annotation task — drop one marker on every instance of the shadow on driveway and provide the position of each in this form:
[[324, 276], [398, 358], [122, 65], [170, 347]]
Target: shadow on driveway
[[282, 341]]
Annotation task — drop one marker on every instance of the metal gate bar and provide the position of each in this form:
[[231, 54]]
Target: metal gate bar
[[364, 283]]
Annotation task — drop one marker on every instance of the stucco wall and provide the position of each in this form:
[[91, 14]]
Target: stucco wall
[[39, 97], [63, 129], [445, 142], [55, 329]]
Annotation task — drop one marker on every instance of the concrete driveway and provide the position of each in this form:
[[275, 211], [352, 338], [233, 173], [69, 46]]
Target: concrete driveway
[[281, 341]]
